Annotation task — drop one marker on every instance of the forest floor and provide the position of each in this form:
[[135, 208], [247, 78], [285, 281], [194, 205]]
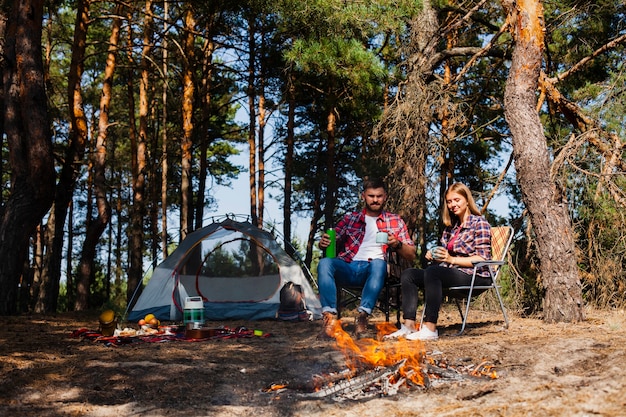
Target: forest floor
[[46, 369]]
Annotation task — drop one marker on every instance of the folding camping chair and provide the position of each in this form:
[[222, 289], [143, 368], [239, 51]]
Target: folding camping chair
[[389, 297], [501, 238]]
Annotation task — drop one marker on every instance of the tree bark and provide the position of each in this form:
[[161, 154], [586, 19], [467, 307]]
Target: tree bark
[[317, 209], [289, 151], [27, 131], [406, 127], [54, 236], [262, 114], [164, 139], [545, 202], [186, 209], [97, 227], [252, 128], [3, 31], [252, 143], [331, 177], [138, 208], [206, 139]]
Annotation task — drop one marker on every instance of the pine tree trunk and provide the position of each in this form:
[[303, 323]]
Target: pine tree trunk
[[289, 150], [252, 144], [30, 147], [262, 114], [407, 177], [545, 202], [186, 208], [330, 202], [37, 270], [164, 156], [47, 298], [103, 208], [317, 216], [206, 139], [138, 208], [252, 128]]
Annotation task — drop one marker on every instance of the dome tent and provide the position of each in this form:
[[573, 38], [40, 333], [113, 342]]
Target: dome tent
[[238, 270]]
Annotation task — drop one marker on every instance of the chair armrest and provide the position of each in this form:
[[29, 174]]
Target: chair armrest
[[478, 264]]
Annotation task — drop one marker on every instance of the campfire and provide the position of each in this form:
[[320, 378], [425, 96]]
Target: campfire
[[376, 368]]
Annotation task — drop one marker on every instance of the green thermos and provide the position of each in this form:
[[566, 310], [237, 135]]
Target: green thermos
[[331, 250]]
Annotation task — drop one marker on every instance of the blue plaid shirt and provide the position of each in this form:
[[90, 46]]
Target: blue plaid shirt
[[474, 238]]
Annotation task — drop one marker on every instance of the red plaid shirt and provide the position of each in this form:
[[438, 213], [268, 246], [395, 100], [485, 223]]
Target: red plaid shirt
[[351, 230]]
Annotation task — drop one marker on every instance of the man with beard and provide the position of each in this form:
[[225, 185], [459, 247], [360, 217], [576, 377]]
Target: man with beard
[[360, 260]]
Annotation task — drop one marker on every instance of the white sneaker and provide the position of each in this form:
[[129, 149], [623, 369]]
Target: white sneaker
[[423, 334], [402, 332]]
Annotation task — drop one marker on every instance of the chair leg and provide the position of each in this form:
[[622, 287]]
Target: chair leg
[[386, 306], [338, 302], [458, 307], [464, 316], [398, 308], [506, 319]]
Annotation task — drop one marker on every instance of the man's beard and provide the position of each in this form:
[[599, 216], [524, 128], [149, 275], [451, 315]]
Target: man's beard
[[375, 209]]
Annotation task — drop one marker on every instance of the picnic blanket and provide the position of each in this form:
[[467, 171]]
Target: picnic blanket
[[164, 334]]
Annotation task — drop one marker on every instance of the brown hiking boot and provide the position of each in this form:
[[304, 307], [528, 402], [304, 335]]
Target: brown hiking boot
[[328, 327], [360, 326]]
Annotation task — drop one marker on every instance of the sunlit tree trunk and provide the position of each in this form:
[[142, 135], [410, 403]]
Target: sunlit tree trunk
[[154, 193], [99, 159], [164, 132], [47, 298], [27, 131], [331, 176], [252, 163], [262, 114], [139, 163], [261, 148], [262, 121], [545, 201], [186, 218], [252, 142], [206, 138]]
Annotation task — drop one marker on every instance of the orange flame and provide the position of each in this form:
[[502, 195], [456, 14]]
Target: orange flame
[[382, 353], [485, 369], [275, 387]]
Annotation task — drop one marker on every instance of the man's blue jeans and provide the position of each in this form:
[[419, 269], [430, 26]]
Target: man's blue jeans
[[370, 275]]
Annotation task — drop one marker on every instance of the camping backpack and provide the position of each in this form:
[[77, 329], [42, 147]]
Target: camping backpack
[[292, 306]]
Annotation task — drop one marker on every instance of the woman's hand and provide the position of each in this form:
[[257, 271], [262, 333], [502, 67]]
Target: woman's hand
[[440, 254]]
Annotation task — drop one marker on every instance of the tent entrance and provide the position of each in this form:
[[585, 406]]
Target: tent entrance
[[237, 269]]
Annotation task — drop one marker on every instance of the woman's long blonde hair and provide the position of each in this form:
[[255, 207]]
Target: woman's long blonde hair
[[464, 191]]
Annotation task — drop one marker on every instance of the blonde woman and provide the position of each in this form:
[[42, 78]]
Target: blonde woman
[[465, 239]]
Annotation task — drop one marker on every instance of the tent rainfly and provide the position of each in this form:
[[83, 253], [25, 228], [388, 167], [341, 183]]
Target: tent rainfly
[[238, 270]]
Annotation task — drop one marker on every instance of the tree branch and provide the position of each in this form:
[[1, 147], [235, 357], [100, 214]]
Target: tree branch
[[580, 64], [497, 184], [581, 121]]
